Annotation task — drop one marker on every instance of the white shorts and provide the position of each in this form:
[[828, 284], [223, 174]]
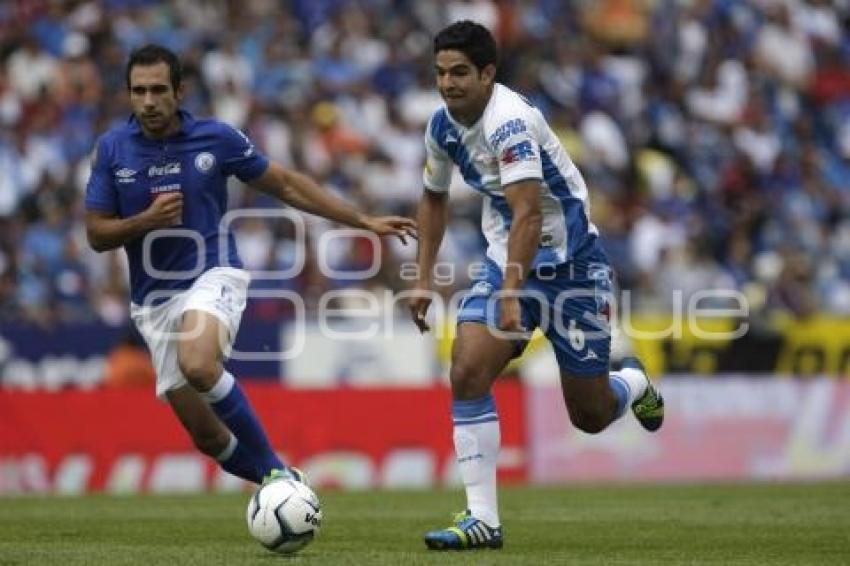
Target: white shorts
[[221, 292]]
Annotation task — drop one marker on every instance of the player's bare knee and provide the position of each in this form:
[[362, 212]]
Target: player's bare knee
[[591, 425], [467, 381], [589, 420], [199, 372]]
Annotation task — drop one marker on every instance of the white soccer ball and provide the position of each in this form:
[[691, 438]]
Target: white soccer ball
[[284, 515]]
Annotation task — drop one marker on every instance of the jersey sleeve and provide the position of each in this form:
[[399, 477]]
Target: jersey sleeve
[[100, 190], [513, 141], [437, 174], [239, 156]]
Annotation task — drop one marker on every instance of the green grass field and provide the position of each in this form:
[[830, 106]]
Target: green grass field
[[701, 524]]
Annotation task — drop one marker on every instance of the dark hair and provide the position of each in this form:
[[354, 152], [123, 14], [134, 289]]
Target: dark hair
[[152, 54], [472, 39]]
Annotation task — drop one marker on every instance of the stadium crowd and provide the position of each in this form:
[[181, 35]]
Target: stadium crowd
[[714, 134]]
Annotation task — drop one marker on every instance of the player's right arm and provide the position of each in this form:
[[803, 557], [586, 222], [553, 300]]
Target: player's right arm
[[105, 229], [432, 218]]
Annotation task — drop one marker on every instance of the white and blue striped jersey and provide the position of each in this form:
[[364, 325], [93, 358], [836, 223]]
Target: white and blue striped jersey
[[512, 142]]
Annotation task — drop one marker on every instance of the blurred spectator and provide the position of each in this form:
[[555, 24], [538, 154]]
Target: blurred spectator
[[129, 364], [714, 135], [484, 12], [31, 69], [782, 49], [225, 65]]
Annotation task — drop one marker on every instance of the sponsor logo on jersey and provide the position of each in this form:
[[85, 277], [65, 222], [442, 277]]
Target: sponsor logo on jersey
[[162, 189], [204, 161], [172, 168], [126, 175], [523, 151], [506, 130]]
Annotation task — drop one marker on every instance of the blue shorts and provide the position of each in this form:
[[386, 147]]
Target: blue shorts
[[569, 302]]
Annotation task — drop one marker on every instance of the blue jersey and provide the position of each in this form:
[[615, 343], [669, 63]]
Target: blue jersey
[[130, 170]]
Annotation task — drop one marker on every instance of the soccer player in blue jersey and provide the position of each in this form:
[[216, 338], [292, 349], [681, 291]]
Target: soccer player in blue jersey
[[544, 268], [167, 170]]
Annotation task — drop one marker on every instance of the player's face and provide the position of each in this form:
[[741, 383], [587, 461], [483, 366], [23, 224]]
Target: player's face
[[154, 100], [463, 87]]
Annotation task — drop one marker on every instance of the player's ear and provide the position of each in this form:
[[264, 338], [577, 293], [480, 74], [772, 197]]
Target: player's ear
[[488, 74]]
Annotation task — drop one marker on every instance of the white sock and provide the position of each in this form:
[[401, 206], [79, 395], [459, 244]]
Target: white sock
[[228, 452], [477, 448], [221, 388], [636, 381]]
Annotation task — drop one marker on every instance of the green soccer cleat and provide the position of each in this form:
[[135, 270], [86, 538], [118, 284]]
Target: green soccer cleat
[[649, 409], [287, 473], [467, 533]]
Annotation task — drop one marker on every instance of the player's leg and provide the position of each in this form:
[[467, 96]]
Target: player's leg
[[478, 356], [211, 436], [200, 353], [593, 402], [595, 397]]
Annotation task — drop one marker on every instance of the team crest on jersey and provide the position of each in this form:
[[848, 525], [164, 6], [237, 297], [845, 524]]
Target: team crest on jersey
[[481, 288], [204, 161], [126, 175], [523, 151]]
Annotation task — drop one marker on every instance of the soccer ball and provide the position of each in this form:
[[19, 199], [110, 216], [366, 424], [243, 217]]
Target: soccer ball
[[284, 515]]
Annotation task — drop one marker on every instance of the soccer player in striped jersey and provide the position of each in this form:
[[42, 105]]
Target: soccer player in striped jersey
[[544, 268]]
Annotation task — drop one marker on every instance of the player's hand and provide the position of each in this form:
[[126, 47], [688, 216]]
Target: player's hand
[[166, 210], [398, 226], [418, 305], [510, 316]]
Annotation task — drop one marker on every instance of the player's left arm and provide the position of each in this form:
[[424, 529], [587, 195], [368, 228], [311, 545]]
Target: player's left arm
[[524, 237], [241, 159], [523, 240], [302, 192], [512, 139]]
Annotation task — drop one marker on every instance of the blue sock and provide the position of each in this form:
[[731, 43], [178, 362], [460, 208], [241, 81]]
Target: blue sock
[[238, 460], [474, 411], [233, 408], [621, 391]]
